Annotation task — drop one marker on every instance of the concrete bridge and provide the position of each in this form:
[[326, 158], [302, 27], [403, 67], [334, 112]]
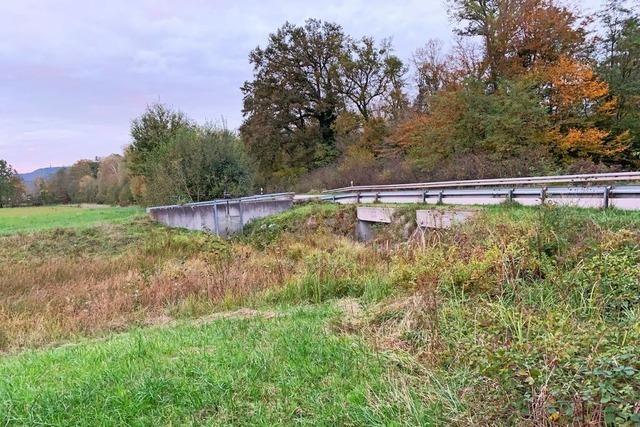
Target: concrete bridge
[[227, 216]]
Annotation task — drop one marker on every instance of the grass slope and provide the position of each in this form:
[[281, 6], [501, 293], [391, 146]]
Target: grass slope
[[280, 371], [15, 220]]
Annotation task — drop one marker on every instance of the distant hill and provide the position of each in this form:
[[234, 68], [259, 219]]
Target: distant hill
[[29, 179]]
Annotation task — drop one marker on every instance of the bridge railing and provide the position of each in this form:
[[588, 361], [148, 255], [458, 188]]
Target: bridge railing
[[501, 182], [254, 198], [583, 190]]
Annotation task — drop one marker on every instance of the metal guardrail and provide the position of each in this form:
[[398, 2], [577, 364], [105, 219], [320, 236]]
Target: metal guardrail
[[591, 196], [503, 193], [500, 182], [255, 198]]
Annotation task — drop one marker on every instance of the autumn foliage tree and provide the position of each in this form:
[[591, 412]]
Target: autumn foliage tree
[[618, 50], [531, 102]]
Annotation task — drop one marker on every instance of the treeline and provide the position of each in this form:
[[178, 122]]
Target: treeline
[[104, 181], [170, 160], [528, 87]]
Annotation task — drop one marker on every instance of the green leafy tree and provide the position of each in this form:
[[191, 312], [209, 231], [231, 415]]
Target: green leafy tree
[[304, 80], [293, 101], [619, 65], [154, 128], [11, 186], [198, 164], [370, 75]]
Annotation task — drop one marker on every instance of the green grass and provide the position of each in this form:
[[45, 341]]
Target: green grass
[[286, 370], [17, 220], [521, 316]]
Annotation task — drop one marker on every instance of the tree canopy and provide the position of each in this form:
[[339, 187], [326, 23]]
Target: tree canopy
[[303, 80]]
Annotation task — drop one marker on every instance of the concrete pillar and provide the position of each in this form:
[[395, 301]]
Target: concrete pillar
[[364, 230]]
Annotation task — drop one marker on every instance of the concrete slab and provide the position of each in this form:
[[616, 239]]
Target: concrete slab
[[442, 218], [375, 214]]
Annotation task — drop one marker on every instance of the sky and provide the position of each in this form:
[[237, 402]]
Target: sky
[[73, 74]]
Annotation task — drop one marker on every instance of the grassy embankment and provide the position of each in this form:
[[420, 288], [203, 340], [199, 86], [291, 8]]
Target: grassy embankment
[[522, 316]]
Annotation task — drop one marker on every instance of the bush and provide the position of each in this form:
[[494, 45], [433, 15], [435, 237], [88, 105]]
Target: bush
[[198, 164]]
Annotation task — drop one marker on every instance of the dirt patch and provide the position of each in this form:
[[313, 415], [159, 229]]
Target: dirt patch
[[352, 319], [242, 313], [351, 308]]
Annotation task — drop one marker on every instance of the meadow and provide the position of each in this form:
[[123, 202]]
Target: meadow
[[28, 219], [523, 316]]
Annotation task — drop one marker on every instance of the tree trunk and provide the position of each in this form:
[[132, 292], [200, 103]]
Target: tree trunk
[[326, 120]]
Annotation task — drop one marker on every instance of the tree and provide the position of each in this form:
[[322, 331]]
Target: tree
[[58, 187], [198, 164], [472, 133], [619, 65], [11, 186], [80, 181], [577, 102], [112, 181], [369, 74], [518, 35], [292, 102], [41, 192], [154, 128]]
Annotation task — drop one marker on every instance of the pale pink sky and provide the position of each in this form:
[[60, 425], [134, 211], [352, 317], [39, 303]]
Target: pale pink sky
[[74, 73]]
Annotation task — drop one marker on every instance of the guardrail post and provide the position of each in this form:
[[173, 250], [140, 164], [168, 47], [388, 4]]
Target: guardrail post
[[358, 197], [607, 194], [440, 196], [241, 221], [510, 195], [215, 219], [424, 196], [377, 198], [333, 197], [543, 195]]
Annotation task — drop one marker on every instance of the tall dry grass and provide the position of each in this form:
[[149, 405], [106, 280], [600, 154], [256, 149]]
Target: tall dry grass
[[60, 284], [56, 294]]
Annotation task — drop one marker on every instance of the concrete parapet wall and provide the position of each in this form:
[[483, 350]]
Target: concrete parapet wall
[[222, 217], [440, 218], [369, 215]]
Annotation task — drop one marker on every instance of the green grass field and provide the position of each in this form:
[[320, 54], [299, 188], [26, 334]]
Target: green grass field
[[285, 370], [16, 220]]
